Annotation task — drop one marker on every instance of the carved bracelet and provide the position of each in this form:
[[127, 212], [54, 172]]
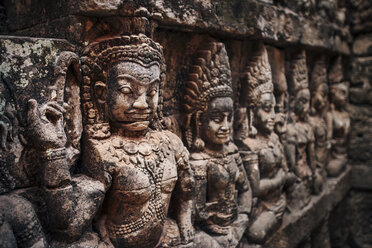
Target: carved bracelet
[[54, 154]]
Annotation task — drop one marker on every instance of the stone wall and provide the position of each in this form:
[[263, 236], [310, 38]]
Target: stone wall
[[45, 47]]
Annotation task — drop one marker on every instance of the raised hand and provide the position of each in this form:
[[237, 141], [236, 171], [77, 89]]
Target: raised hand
[[45, 129]]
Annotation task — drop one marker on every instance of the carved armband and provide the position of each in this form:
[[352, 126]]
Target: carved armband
[[183, 160], [54, 154]]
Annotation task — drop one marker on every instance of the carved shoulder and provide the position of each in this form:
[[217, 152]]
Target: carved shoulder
[[94, 163], [250, 144]]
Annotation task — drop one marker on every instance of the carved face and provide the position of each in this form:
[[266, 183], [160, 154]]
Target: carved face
[[264, 118], [217, 121], [340, 94], [302, 103], [281, 114], [319, 98], [132, 97]]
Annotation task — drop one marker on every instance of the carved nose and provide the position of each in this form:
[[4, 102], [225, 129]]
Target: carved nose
[[141, 103], [225, 125]]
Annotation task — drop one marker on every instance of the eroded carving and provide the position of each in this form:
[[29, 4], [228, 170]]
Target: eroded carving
[[262, 152], [126, 148], [300, 135], [319, 106], [223, 199], [338, 119]]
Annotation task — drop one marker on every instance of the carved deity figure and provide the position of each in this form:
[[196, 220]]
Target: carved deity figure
[[319, 104], [338, 120], [134, 163], [277, 63], [223, 200], [269, 172], [300, 135]]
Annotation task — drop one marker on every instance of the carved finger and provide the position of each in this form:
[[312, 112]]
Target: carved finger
[[57, 106], [33, 114], [52, 114]]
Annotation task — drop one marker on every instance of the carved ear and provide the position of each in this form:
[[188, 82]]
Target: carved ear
[[100, 90]]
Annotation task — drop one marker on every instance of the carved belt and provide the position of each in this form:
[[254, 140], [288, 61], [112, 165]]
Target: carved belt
[[120, 230]]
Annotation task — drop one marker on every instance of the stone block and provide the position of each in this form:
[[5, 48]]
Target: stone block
[[363, 45]]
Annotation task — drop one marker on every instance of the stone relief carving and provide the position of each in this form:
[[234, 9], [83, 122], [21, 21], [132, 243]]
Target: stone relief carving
[[138, 187], [300, 135], [319, 106], [223, 199], [338, 119], [277, 63], [127, 150], [270, 170]]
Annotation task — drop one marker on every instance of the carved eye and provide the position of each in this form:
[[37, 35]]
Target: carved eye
[[217, 119], [126, 90], [152, 92], [267, 108]]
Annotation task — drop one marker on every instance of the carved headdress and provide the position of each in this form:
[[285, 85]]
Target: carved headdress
[[97, 59], [254, 81], [318, 77], [209, 77], [318, 74], [256, 78], [296, 71], [336, 73]]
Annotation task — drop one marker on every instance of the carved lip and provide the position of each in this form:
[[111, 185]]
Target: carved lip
[[271, 123], [135, 116], [223, 135]]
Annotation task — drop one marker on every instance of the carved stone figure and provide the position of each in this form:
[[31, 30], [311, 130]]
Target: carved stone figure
[[126, 148], [277, 63], [53, 132], [300, 135], [223, 200], [319, 104], [270, 169], [338, 120]]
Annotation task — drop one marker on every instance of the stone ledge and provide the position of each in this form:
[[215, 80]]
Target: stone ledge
[[236, 19], [299, 225]]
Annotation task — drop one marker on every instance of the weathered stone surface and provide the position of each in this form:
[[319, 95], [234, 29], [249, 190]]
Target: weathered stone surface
[[144, 182], [233, 18], [360, 225], [298, 225], [361, 74], [361, 135], [362, 177], [362, 45], [360, 12], [27, 71]]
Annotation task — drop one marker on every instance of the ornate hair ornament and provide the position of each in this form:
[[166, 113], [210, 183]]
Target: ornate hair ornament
[[297, 72], [209, 77], [336, 73], [254, 81], [97, 59], [256, 78], [318, 74]]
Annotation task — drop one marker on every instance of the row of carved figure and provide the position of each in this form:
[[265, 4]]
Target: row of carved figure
[[243, 168]]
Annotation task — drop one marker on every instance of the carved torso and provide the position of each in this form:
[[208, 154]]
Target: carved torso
[[320, 135], [143, 174], [271, 158], [301, 135], [216, 176], [341, 129]]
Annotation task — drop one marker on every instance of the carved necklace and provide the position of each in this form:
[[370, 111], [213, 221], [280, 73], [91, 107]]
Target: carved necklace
[[148, 155]]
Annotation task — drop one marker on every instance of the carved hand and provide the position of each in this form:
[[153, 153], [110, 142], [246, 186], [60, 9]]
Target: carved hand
[[45, 125], [187, 234]]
